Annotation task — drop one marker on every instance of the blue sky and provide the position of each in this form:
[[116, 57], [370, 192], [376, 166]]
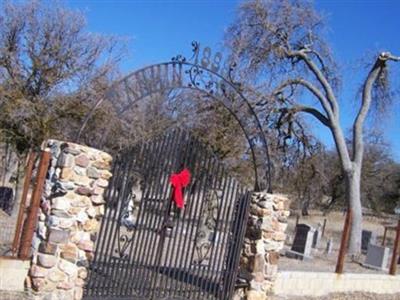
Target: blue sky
[[160, 29]]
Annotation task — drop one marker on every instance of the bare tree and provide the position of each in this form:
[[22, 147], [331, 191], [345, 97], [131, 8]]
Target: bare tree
[[285, 39], [50, 69], [46, 53]]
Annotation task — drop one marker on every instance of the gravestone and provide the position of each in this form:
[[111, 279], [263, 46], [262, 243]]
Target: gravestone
[[377, 257], [302, 243], [6, 199], [316, 237], [367, 237], [329, 246]]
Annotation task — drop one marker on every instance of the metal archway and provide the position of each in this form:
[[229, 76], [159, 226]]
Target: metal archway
[[203, 72]]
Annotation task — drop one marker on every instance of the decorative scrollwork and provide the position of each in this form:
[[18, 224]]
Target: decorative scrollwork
[[129, 214], [231, 70], [131, 205], [207, 72], [124, 242], [204, 69], [195, 51], [178, 59], [207, 229]]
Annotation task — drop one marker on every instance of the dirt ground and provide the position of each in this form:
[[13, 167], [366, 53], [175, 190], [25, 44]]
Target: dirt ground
[[322, 262]]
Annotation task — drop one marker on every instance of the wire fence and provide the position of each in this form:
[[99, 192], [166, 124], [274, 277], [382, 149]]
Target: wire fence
[[16, 187]]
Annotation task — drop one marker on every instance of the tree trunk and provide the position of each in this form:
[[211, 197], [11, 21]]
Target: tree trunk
[[352, 180], [9, 162], [304, 209], [19, 185]]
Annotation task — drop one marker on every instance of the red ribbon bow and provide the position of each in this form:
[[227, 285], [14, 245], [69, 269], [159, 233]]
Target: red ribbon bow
[[179, 181]]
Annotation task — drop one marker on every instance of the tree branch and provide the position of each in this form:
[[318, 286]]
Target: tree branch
[[312, 89], [314, 112], [384, 56], [330, 96], [332, 107], [358, 145]]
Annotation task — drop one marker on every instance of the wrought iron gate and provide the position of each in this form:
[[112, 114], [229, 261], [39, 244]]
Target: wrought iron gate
[[148, 248]]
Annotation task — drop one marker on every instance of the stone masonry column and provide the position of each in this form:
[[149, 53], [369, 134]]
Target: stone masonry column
[[72, 205], [265, 237]]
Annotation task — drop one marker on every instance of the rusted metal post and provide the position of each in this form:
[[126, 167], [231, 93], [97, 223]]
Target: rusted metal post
[[393, 264], [22, 206], [31, 219], [344, 242]]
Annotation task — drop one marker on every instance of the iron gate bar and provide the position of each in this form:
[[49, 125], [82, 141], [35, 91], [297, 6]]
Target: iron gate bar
[[111, 204], [223, 211], [122, 263], [182, 274], [167, 212], [231, 192], [172, 272], [218, 218], [244, 208], [103, 227], [125, 283], [178, 166], [226, 207], [179, 161], [166, 208], [146, 149], [205, 163], [240, 238], [161, 254], [200, 271], [160, 220], [168, 247], [120, 191], [191, 234], [145, 195], [110, 196], [226, 185], [232, 242], [205, 270], [164, 190], [148, 164], [202, 190], [122, 194], [120, 210]]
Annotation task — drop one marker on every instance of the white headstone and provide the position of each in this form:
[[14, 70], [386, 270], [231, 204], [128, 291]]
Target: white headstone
[[377, 257], [303, 240]]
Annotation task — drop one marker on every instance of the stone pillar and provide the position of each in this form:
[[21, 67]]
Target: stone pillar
[[72, 205], [265, 237]]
